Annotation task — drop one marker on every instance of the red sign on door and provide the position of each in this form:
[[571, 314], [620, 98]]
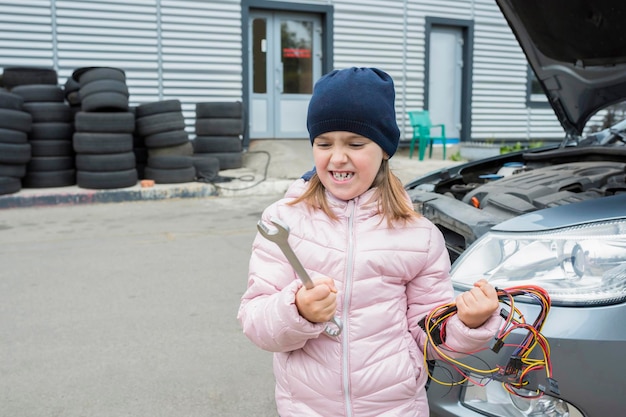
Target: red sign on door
[[296, 53]]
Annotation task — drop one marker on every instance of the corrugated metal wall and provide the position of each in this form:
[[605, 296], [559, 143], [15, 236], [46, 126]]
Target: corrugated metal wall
[[391, 34], [26, 34], [373, 33], [191, 50], [188, 50]]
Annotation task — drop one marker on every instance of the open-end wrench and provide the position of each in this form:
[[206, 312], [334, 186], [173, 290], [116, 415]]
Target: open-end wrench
[[280, 235]]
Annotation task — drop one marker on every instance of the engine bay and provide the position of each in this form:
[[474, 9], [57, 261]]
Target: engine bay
[[530, 189], [467, 201]]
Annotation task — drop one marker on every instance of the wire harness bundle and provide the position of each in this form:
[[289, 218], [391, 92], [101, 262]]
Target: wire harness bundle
[[530, 355]]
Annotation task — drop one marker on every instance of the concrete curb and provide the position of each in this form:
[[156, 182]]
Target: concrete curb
[[75, 195]]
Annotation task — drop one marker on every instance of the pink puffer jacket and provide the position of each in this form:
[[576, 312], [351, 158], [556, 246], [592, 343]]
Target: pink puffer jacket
[[387, 280]]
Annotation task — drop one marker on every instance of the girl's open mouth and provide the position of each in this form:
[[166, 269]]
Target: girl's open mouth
[[342, 176]]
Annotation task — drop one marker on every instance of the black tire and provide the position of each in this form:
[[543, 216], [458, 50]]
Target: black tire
[[15, 120], [170, 162], [15, 153], [14, 76], [103, 86], [164, 106], [141, 155], [9, 185], [105, 162], [219, 109], [104, 101], [51, 131], [50, 163], [208, 144], [11, 101], [51, 148], [207, 167], [102, 143], [140, 171], [47, 179], [71, 85], [13, 136], [87, 74], [186, 149], [219, 127], [106, 180], [12, 170], [170, 176], [49, 112], [40, 93], [160, 122], [73, 98], [105, 122], [139, 141], [228, 160], [165, 139]]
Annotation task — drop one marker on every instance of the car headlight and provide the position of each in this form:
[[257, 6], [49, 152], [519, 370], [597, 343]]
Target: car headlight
[[580, 265]]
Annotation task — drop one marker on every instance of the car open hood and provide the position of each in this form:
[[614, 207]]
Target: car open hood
[[577, 49]]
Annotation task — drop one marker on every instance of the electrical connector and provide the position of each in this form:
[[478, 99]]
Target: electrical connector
[[435, 330], [514, 366], [496, 344], [553, 387]]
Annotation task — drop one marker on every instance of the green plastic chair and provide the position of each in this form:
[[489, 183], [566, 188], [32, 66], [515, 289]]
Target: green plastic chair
[[420, 121]]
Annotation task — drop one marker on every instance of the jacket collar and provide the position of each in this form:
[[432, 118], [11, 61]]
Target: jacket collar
[[364, 203]]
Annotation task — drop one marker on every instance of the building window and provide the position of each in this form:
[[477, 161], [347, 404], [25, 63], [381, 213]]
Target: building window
[[535, 96]]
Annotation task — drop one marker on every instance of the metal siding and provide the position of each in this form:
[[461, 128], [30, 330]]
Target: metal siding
[[499, 110], [202, 57], [381, 45], [113, 33], [186, 50], [26, 34], [191, 50]]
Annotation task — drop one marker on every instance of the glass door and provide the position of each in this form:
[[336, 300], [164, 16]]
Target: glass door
[[286, 61]]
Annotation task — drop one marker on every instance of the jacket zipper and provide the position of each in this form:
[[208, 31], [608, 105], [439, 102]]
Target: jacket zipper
[[346, 298]]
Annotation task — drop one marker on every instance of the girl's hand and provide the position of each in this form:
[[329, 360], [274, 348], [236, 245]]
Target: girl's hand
[[318, 304], [475, 306]]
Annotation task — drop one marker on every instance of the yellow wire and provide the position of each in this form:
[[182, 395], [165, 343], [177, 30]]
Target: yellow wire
[[516, 319]]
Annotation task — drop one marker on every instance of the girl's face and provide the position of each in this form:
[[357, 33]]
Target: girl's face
[[346, 163]]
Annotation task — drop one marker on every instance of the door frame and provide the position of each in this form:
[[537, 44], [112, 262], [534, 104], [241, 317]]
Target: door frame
[[467, 29], [326, 13]]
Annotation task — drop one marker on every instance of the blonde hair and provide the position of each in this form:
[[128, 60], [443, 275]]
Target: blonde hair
[[390, 194]]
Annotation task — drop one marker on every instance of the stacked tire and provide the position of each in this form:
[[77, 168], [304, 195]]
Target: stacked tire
[[139, 149], [15, 153], [71, 92], [219, 128], [103, 138], [161, 125], [50, 138], [14, 76]]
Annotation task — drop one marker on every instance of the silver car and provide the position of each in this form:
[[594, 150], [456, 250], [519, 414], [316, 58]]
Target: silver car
[[553, 216]]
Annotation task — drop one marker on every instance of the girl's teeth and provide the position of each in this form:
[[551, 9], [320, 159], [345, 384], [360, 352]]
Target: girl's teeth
[[342, 175]]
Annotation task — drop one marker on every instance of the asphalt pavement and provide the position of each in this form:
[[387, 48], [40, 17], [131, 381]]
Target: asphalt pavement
[[128, 308]]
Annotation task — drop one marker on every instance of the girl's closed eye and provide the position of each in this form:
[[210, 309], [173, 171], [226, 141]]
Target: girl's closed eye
[[322, 144]]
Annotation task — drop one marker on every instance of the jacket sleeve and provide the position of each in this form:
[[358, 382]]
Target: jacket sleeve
[[268, 313], [432, 288]]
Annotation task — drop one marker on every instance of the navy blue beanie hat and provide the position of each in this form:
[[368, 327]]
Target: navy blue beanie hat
[[357, 100]]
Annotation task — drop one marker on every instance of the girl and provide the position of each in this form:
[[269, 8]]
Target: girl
[[377, 265]]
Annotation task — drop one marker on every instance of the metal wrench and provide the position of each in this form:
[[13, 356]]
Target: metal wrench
[[280, 236]]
